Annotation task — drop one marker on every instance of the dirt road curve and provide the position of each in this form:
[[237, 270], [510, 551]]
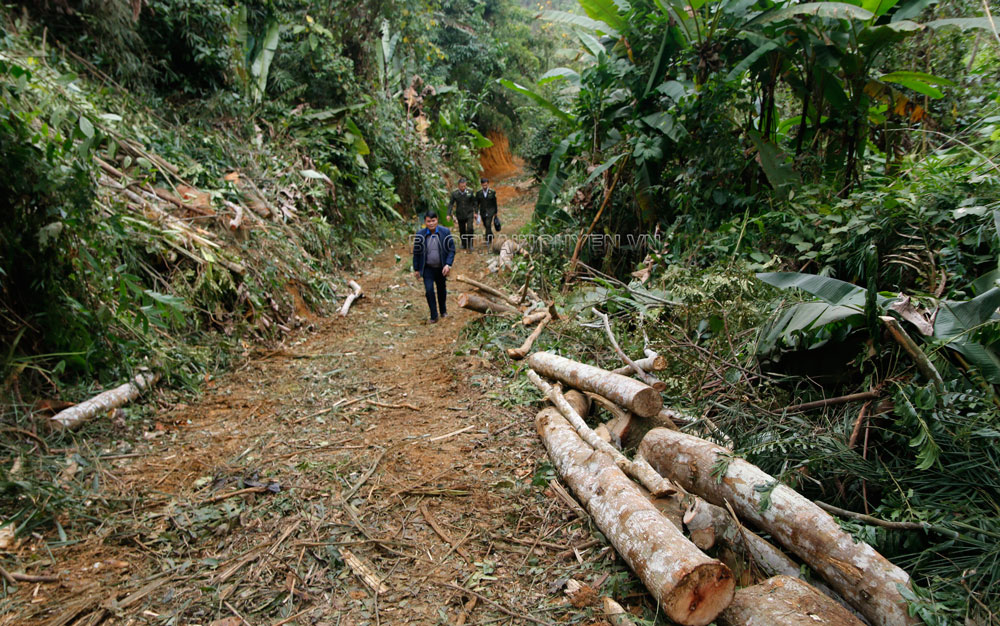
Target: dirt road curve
[[369, 452]]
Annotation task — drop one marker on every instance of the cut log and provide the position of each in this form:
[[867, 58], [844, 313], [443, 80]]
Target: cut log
[[484, 305], [862, 576], [525, 348], [655, 363], [785, 601], [487, 289], [641, 374], [638, 469], [639, 397], [691, 588], [77, 415], [534, 318], [237, 220], [354, 295]]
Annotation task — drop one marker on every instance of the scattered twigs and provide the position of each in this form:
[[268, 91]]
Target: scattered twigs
[[77, 415], [487, 289], [8, 576], [639, 470], [864, 396], [26, 433], [497, 605], [232, 494], [906, 342], [522, 351], [364, 478], [650, 380], [856, 430], [401, 405], [441, 533], [356, 293]]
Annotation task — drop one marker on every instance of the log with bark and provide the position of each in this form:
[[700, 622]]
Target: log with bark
[[508, 299], [522, 351], [638, 468], [639, 397], [785, 601], [534, 317], [79, 414], [354, 295], [484, 305], [862, 576], [655, 363], [690, 587]]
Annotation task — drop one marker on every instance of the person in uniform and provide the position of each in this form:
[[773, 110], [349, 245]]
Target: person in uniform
[[486, 204], [462, 208]]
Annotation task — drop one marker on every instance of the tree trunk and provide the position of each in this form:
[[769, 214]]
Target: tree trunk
[[690, 587], [77, 415], [627, 392], [483, 305], [785, 601], [865, 578], [525, 348], [356, 293]]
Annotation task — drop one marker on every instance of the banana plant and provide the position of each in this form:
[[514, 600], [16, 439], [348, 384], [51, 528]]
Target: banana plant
[[258, 50]]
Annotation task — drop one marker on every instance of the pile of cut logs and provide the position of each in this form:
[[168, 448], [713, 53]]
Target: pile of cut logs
[[492, 301], [682, 495]]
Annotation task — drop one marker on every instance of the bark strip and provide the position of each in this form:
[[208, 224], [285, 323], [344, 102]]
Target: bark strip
[[866, 579], [622, 390], [690, 587]]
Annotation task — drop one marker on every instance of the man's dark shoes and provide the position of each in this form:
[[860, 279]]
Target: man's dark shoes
[[444, 315], [434, 320]]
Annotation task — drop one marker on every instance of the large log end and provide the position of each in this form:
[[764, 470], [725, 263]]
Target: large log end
[[701, 596]]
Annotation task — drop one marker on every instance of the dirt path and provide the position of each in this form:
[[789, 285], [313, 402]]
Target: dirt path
[[391, 452]]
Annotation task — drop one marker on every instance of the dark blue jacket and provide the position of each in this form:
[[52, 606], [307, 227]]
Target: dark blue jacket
[[446, 242]]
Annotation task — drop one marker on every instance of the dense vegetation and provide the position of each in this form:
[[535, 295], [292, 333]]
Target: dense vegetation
[[853, 142]]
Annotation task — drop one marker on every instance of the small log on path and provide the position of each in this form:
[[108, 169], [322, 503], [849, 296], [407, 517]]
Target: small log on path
[[79, 414], [690, 587], [639, 397], [487, 289], [638, 469], [354, 295], [866, 579], [785, 601], [655, 363], [522, 351], [484, 305]]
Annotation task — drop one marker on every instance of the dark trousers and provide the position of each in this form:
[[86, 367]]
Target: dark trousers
[[433, 276], [466, 230], [488, 225]]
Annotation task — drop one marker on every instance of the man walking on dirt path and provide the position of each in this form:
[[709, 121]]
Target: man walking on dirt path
[[433, 254], [462, 207], [486, 203]]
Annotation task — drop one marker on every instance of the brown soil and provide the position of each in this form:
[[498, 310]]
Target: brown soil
[[432, 454], [497, 161]]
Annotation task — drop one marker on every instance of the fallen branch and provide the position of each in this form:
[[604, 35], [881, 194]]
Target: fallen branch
[[522, 351], [364, 572], [232, 494], [866, 579], [445, 536], [650, 380], [874, 521], [77, 415], [487, 289], [534, 318], [354, 295], [484, 305], [923, 363], [622, 390], [497, 605], [864, 396]]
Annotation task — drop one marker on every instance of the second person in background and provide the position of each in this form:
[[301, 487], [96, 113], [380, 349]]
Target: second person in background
[[486, 203]]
